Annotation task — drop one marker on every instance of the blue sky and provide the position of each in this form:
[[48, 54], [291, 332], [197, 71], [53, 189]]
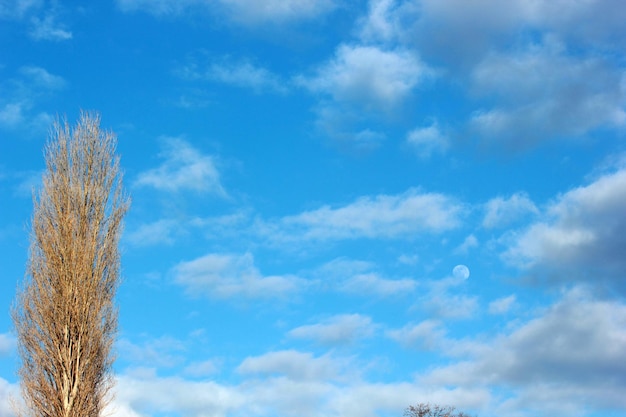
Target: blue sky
[[341, 208]]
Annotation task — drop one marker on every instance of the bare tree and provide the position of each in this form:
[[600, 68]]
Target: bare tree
[[427, 410], [64, 314]]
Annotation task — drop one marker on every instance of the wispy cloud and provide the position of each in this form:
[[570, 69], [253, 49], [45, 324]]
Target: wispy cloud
[[159, 232], [428, 140], [337, 330], [174, 395], [42, 16], [382, 216], [536, 359], [202, 369], [233, 276], [470, 242], [502, 305], [544, 93], [426, 335], [502, 212], [17, 9], [237, 11], [158, 7], [163, 352], [276, 11], [579, 236], [532, 360], [540, 90], [368, 76], [184, 168], [361, 84], [293, 364], [22, 95], [380, 23], [361, 278], [238, 73], [169, 230], [448, 298], [48, 28], [529, 359], [373, 284]]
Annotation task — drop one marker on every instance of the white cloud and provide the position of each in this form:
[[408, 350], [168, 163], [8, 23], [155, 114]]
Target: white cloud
[[337, 330], [545, 93], [368, 76], [470, 242], [561, 82], [243, 74], [17, 9], [167, 231], [446, 298], [382, 23], [12, 115], [276, 11], [8, 392], [233, 276], [42, 17], [135, 397], [372, 284], [27, 182], [580, 236], [164, 351], [569, 355], [283, 383], [502, 305], [598, 22], [184, 168], [159, 232], [501, 212], [158, 7], [286, 383], [293, 364], [444, 305], [20, 96], [202, 369], [239, 11], [382, 216], [427, 335], [247, 75], [41, 78], [428, 140], [360, 87], [468, 30], [566, 358], [407, 259], [47, 28], [534, 368], [458, 33], [373, 400], [347, 127], [23, 94], [365, 139], [360, 278]]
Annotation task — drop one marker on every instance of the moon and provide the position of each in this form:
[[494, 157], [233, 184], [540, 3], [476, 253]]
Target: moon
[[461, 272]]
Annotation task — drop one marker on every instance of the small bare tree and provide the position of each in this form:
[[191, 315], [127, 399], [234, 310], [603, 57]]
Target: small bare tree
[[64, 314], [428, 410]]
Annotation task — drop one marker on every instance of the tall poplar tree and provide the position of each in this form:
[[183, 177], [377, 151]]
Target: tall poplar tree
[[64, 313]]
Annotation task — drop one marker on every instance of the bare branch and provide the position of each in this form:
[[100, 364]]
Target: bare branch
[[64, 314], [428, 410]]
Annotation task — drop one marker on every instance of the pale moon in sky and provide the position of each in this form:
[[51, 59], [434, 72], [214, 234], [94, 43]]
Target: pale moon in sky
[[461, 272]]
